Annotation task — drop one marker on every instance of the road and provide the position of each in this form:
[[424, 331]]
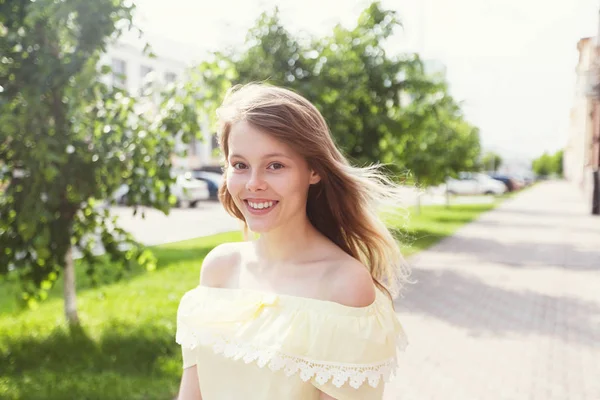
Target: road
[[206, 219]]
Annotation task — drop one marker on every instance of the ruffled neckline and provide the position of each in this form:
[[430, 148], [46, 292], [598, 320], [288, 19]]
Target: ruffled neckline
[[314, 338]]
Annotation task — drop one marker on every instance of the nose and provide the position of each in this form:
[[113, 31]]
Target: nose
[[255, 182]]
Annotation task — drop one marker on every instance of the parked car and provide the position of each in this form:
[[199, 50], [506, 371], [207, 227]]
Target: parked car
[[212, 179], [529, 179], [189, 191], [511, 184], [217, 169], [474, 183], [186, 189], [519, 181]]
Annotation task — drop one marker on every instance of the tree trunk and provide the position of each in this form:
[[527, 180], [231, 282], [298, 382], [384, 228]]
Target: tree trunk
[[69, 289], [418, 205]]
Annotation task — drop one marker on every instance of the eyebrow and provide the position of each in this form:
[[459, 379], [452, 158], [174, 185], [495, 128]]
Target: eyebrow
[[270, 155]]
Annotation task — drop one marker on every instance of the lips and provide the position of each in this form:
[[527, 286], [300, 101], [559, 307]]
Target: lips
[[260, 206]]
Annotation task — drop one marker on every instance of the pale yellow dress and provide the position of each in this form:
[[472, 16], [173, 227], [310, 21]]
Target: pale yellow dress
[[255, 345]]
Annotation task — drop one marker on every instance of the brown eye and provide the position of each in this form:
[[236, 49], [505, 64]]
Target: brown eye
[[238, 165], [276, 166]]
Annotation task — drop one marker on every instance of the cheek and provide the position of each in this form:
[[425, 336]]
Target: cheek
[[235, 183], [289, 184]]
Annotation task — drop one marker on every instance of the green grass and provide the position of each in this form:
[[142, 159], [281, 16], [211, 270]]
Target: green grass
[[437, 222], [125, 348]]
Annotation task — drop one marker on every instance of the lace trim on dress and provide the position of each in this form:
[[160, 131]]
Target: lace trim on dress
[[339, 373]]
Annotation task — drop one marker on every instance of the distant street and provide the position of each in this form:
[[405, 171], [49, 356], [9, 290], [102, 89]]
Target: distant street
[[206, 219], [209, 218]]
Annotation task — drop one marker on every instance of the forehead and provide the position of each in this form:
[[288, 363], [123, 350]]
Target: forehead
[[246, 139]]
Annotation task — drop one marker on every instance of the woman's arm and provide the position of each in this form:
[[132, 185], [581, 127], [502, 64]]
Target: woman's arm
[[190, 387], [216, 270]]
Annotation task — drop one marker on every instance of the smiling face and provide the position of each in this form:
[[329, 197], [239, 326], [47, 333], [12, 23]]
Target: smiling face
[[267, 179]]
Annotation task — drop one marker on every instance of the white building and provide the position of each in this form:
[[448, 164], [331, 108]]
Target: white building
[[133, 70], [580, 150]]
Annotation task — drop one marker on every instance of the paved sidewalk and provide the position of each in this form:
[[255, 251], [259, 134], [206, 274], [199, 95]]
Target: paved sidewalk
[[509, 307]]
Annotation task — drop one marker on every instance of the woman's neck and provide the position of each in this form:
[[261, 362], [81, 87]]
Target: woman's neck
[[287, 242]]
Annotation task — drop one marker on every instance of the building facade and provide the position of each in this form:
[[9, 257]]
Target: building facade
[[134, 71], [582, 152]]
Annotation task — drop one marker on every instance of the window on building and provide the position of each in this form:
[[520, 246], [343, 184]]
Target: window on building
[[170, 77], [119, 72], [146, 83], [145, 70]]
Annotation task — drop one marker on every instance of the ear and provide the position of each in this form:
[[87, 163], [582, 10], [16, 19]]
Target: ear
[[314, 177]]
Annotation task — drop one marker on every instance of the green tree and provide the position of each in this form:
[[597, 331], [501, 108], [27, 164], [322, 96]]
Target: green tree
[[548, 164], [558, 162], [438, 142], [357, 86], [67, 142], [380, 108], [194, 100], [491, 161], [543, 165], [270, 53]]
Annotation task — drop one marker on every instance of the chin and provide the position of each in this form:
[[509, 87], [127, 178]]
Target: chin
[[259, 227]]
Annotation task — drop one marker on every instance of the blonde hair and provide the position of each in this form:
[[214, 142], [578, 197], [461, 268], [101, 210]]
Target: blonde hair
[[344, 205]]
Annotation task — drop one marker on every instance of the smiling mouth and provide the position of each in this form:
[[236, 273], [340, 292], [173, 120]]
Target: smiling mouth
[[260, 207]]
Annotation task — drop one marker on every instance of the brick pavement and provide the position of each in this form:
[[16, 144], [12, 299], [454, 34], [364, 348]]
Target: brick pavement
[[509, 307]]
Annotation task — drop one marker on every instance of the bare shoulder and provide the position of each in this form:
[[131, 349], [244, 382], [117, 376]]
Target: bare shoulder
[[352, 284], [220, 265]]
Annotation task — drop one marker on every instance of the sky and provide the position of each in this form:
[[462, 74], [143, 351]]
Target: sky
[[510, 62]]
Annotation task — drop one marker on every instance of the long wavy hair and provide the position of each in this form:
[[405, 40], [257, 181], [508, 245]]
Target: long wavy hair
[[345, 204]]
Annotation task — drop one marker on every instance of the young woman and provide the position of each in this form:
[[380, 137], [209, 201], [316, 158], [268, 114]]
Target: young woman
[[304, 311]]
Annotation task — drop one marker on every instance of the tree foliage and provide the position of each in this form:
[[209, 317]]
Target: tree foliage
[[549, 164], [67, 141], [491, 161], [380, 108], [190, 102]]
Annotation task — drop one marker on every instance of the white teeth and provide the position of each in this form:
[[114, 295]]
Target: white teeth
[[260, 206]]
